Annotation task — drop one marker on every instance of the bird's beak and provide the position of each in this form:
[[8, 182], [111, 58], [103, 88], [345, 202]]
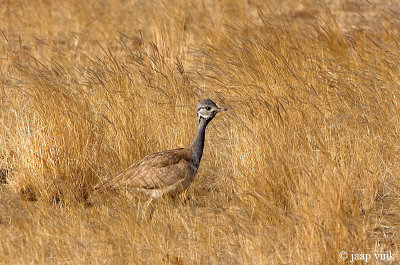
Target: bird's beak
[[221, 109]]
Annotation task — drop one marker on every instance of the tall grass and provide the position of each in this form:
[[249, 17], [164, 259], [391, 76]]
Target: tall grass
[[303, 166]]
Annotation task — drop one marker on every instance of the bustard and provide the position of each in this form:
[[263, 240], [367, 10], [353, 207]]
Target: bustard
[[167, 172]]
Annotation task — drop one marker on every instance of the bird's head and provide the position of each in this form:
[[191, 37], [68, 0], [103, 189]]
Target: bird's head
[[207, 109]]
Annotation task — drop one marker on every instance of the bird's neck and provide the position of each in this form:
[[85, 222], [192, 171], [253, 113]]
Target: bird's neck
[[197, 145]]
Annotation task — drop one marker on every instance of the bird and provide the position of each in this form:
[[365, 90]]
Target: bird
[[167, 172]]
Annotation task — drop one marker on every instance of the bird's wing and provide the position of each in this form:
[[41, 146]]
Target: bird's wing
[[154, 171]]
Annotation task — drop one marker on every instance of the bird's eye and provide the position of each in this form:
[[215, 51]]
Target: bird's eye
[[208, 108]]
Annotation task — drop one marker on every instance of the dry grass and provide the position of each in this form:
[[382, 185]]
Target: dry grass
[[303, 166]]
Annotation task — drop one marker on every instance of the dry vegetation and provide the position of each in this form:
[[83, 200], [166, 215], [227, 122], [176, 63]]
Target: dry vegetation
[[304, 165]]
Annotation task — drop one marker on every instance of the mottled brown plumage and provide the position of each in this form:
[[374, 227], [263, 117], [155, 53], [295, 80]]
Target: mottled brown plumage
[[168, 172]]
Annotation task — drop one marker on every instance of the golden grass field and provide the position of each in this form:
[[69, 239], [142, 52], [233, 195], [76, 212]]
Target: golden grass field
[[304, 165]]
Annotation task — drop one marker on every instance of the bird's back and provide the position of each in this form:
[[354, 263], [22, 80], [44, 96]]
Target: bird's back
[[156, 171]]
